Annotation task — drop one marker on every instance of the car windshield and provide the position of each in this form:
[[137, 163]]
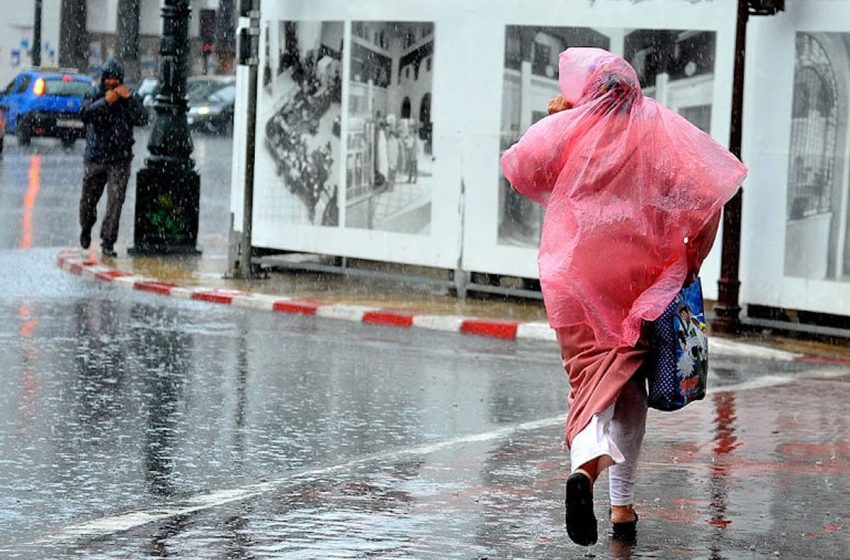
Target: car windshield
[[62, 88], [210, 92], [147, 86], [227, 94]]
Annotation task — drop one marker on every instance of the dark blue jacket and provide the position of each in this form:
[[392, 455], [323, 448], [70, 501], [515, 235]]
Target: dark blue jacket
[[109, 128]]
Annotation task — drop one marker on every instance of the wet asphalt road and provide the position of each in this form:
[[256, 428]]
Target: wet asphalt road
[[121, 401], [133, 426], [40, 193]]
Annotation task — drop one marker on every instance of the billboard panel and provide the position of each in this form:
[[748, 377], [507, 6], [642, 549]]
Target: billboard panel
[[796, 216], [380, 126]]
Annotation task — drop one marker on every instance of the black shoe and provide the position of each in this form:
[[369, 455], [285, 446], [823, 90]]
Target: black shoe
[[85, 239], [580, 519], [108, 252], [625, 531]]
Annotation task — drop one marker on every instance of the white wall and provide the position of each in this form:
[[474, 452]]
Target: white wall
[[150, 17], [769, 238], [16, 28], [102, 16]]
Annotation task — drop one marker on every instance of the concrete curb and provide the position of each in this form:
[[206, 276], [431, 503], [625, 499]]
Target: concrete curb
[[75, 262]]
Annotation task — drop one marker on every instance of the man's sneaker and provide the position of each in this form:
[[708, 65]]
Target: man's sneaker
[[85, 239], [108, 252]]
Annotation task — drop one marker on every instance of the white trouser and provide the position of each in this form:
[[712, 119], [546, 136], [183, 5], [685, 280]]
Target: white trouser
[[617, 432]]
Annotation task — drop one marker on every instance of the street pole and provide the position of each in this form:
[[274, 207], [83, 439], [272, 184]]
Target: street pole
[[249, 48], [36, 35], [727, 310], [168, 188]]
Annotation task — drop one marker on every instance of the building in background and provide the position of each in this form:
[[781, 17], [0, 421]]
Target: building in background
[[16, 31], [82, 34]]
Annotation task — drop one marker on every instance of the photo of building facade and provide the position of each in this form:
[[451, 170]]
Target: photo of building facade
[[674, 67], [302, 77], [817, 245], [390, 150]]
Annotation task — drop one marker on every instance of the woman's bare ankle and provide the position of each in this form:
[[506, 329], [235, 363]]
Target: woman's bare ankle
[[622, 514]]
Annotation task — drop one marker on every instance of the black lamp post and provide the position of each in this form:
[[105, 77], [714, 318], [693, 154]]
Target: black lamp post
[[727, 309], [168, 187]]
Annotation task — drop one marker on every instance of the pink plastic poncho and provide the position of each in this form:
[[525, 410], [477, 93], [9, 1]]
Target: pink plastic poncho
[[625, 183]]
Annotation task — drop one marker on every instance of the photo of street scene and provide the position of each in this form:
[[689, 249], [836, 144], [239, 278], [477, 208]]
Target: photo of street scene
[[675, 67], [390, 155], [302, 76], [817, 244]]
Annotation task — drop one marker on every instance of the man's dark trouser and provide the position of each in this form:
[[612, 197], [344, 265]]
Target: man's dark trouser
[[96, 176]]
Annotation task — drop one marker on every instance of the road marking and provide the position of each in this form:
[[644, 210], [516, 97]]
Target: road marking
[[536, 331], [729, 347], [120, 523], [450, 323]]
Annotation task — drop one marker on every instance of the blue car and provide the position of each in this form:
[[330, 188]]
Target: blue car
[[40, 102]]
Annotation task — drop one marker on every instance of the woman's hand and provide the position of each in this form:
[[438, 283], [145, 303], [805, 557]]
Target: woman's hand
[[558, 104], [123, 91], [698, 247]]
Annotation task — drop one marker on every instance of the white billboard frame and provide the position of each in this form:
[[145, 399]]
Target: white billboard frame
[[440, 246], [468, 62], [767, 149], [480, 228]]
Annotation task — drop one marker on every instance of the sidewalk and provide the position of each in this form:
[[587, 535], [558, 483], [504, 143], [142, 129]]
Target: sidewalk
[[375, 300]]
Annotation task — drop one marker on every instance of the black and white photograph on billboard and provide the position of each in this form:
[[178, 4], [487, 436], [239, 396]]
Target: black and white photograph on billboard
[[301, 126], [675, 67], [817, 244], [390, 153]]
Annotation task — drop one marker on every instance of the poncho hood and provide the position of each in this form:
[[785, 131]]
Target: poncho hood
[[586, 74]]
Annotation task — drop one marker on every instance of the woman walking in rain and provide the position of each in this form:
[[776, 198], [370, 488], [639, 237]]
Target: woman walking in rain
[[633, 194]]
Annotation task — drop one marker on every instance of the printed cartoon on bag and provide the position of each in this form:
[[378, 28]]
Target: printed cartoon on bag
[[692, 353]]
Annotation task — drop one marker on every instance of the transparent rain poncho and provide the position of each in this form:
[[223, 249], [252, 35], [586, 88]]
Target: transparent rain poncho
[[626, 183]]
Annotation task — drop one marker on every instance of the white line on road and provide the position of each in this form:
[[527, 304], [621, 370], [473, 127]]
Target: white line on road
[[729, 347], [119, 523]]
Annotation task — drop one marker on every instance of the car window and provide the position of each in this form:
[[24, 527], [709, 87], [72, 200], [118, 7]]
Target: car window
[[148, 86], [227, 94], [10, 88], [25, 83], [200, 91], [62, 88]]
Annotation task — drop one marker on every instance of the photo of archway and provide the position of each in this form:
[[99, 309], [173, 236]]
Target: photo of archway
[[302, 81], [817, 244], [390, 152], [675, 67]]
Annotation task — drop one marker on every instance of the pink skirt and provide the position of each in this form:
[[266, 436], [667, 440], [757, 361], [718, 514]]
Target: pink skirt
[[597, 374]]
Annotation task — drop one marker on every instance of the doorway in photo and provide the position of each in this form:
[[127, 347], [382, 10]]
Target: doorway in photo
[[817, 246]]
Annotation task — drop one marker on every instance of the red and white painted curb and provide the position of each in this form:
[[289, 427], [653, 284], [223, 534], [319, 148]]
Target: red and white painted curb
[[78, 263]]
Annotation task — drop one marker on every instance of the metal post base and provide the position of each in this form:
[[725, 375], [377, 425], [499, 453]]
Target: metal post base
[[167, 207]]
